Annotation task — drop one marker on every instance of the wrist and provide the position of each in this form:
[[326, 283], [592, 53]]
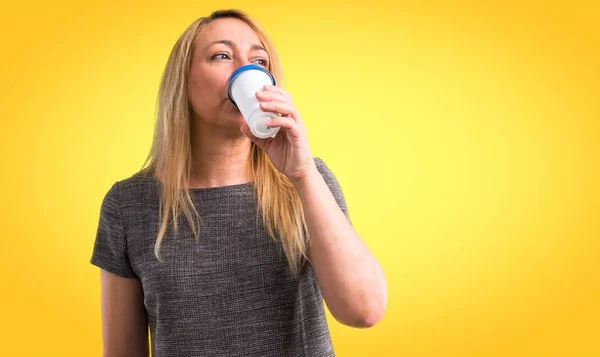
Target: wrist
[[307, 179]]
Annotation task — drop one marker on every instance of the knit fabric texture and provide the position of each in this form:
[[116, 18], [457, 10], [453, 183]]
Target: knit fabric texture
[[228, 293]]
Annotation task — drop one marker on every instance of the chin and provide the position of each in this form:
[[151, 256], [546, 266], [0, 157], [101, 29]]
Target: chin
[[233, 123], [232, 116], [238, 118]]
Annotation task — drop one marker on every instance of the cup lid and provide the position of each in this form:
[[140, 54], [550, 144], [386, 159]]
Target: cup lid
[[242, 69]]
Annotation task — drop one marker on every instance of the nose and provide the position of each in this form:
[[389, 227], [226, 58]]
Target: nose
[[240, 62], [241, 58]]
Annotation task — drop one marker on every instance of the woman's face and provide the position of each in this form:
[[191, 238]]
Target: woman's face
[[221, 47]]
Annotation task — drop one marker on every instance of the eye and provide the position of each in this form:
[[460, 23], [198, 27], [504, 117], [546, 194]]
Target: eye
[[220, 56], [262, 61]]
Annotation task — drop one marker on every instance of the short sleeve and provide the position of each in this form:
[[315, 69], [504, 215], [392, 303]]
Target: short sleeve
[[110, 247], [333, 184]]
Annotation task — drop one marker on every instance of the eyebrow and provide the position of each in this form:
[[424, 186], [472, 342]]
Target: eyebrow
[[230, 44]]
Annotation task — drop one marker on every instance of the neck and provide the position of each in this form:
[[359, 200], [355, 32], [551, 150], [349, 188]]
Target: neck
[[219, 157]]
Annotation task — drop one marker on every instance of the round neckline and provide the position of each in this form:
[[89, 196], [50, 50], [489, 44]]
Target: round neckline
[[221, 188], [213, 192], [222, 192]]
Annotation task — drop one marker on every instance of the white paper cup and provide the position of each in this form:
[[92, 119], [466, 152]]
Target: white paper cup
[[242, 88]]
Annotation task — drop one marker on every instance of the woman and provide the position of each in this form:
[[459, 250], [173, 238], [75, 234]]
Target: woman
[[227, 244]]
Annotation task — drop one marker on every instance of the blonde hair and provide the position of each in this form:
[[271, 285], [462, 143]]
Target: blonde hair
[[170, 159]]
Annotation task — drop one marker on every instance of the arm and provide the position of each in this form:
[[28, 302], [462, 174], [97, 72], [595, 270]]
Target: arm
[[351, 280], [124, 319]]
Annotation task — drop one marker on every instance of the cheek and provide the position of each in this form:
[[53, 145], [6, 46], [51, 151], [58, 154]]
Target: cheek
[[198, 88], [206, 90]]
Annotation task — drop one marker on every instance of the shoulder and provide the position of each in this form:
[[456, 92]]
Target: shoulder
[[332, 182], [139, 187], [321, 165], [325, 171]]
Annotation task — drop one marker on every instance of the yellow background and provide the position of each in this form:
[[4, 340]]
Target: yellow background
[[465, 136]]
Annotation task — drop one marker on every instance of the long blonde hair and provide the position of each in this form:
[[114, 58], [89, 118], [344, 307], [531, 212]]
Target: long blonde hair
[[170, 159]]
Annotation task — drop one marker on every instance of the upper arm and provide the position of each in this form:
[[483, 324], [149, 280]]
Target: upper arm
[[124, 318]]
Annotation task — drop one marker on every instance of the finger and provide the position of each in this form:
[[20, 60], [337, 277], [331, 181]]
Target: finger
[[285, 109], [269, 96], [288, 123], [269, 87]]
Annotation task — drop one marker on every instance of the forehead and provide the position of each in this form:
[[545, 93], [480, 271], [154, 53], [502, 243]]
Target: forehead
[[231, 29]]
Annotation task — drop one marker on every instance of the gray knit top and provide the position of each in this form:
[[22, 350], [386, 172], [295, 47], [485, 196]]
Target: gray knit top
[[229, 293]]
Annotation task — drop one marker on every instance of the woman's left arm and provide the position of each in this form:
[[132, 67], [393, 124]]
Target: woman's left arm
[[351, 279]]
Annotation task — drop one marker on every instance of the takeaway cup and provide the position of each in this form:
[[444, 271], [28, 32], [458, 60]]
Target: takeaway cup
[[242, 88]]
